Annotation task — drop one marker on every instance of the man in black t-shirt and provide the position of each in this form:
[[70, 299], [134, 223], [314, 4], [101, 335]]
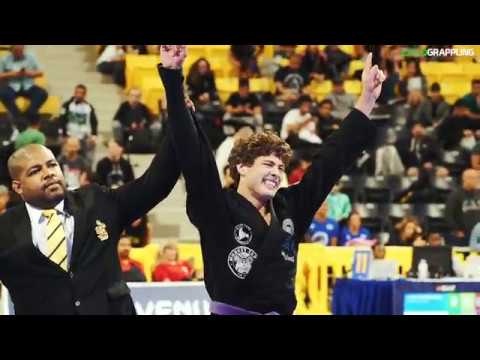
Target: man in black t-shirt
[[243, 107], [113, 170], [290, 80]]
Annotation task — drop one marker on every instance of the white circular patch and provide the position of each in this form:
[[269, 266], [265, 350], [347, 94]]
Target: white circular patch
[[243, 234], [240, 261], [287, 226]]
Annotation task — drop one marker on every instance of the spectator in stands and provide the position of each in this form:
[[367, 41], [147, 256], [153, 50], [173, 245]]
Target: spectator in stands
[[452, 130], [463, 208], [299, 168], [339, 204], [112, 62], [113, 170], [338, 60], [223, 151], [244, 106], [391, 66], [407, 232], [314, 63], [132, 271], [378, 251], [133, 118], [413, 80], [31, 135], [87, 178], [437, 109], [4, 199], [472, 100], [227, 179], [244, 58], [170, 268], [418, 150], [354, 234], [326, 123], [416, 109], [18, 71], [343, 103], [201, 83], [72, 163], [421, 190], [475, 156], [79, 120], [387, 158], [290, 80], [323, 230], [435, 240], [299, 126]]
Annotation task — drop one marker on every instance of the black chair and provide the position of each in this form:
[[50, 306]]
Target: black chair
[[376, 190], [442, 187], [455, 161], [435, 218], [396, 212]]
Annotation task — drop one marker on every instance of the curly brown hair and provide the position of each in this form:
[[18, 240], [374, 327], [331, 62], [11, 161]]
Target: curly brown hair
[[246, 151]]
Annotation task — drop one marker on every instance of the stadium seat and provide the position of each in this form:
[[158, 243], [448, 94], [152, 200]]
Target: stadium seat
[[195, 52], [355, 65], [376, 190], [396, 212], [147, 256], [372, 216], [472, 69], [140, 73], [226, 86], [261, 85], [435, 218], [152, 91], [188, 251], [353, 87], [443, 186], [133, 61], [320, 90]]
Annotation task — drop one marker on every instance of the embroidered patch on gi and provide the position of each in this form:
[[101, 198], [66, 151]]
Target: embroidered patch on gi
[[287, 226], [240, 261], [243, 234]]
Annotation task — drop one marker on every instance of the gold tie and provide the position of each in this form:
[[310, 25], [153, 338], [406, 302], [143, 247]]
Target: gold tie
[[56, 241]]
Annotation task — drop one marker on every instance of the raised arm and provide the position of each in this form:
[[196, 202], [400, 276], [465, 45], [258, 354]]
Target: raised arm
[[340, 150]]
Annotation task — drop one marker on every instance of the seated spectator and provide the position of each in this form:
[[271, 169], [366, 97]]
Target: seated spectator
[[378, 251], [4, 199], [88, 178], [338, 60], [354, 234], [79, 120], [326, 123], [298, 170], [243, 106], [323, 230], [298, 125], [416, 109], [451, 131], [201, 83], [472, 100], [437, 109], [421, 190], [435, 240], [31, 135], [418, 150], [290, 80], [463, 209], [339, 204], [132, 271], [387, 158], [132, 121], [342, 102], [244, 58], [223, 151], [18, 71], [314, 63], [72, 163], [113, 170], [391, 66], [170, 268], [407, 232], [112, 62], [413, 80]]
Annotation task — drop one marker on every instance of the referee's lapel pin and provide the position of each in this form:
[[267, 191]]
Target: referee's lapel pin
[[101, 230]]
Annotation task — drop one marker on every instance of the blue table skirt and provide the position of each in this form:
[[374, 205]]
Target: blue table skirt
[[361, 297]]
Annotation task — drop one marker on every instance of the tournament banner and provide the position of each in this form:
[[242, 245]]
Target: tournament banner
[[173, 298]]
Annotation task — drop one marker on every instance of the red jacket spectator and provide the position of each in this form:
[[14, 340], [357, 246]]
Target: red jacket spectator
[[171, 268]]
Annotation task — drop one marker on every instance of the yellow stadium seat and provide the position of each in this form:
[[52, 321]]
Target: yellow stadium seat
[[347, 49], [51, 107], [355, 65], [141, 73], [472, 69], [195, 52], [133, 61], [218, 52], [41, 81], [152, 91], [222, 67], [455, 88], [261, 85], [187, 251], [320, 90], [147, 256], [226, 86], [353, 87]]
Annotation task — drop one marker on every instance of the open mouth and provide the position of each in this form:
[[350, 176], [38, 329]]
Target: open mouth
[[271, 184]]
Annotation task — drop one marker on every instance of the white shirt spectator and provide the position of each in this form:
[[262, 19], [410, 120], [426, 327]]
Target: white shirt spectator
[[110, 53], [223, 153], [308, 133]]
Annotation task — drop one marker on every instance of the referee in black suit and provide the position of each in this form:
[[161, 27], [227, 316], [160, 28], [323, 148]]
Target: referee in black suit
[[58, 249]]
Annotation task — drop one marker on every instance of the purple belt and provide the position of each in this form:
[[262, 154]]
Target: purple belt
[[219, 308]]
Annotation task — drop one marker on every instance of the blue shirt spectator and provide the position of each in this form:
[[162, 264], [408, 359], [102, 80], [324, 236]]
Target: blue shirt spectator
[[323, 230]]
